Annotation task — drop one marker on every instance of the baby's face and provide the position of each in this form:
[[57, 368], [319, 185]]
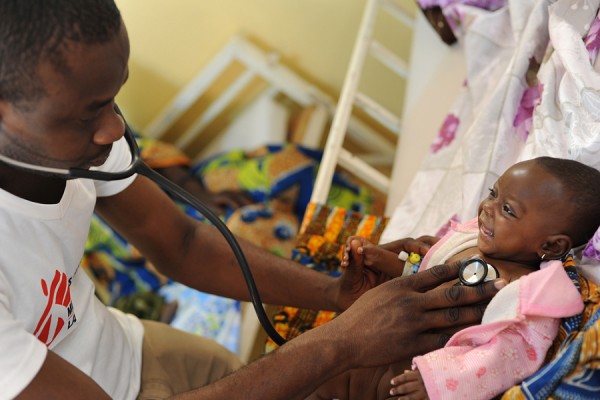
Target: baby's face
[[524, 207]]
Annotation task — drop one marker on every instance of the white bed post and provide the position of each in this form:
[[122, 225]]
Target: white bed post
[[339, 125], [334, 154]]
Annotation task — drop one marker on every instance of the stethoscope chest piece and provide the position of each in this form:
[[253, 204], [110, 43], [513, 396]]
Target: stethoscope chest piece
[[476, 271]]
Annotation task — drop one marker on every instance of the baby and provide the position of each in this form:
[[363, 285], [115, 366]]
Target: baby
[[535, 213]]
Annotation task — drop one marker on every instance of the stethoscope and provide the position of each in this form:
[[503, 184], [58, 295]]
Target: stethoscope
[[476, 271], [137, 166]]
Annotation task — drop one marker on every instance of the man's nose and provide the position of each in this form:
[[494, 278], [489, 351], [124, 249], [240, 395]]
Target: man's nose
[[112, 129]]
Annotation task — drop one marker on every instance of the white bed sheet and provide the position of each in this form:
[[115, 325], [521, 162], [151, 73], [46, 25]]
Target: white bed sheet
[[480, 135]]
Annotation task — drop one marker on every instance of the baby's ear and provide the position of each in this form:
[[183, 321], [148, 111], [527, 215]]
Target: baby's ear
[[555, 247]]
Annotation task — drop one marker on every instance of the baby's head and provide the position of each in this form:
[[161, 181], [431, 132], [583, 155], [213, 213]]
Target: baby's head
[[540, 209]]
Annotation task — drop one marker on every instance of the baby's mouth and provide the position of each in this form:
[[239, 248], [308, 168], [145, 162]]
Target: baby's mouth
[[485, 231]]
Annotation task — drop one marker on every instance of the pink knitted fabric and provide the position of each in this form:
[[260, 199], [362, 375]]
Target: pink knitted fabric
[[520, 324]]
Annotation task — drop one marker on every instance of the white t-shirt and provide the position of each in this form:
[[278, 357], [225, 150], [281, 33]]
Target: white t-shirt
[[48, 302]]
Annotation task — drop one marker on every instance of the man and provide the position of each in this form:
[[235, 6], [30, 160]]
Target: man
[[62, 62]]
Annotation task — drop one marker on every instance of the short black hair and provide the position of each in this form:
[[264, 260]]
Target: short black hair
[[583, 182], [35, 30]]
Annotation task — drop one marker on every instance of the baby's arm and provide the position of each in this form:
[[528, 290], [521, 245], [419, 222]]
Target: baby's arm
[[420, 245], [409, 385]]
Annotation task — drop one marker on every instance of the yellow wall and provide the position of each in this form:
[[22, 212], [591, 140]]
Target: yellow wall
[[171, 40]]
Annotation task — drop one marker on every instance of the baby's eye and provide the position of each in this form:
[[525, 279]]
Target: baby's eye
[[492, 192], [506, 208]]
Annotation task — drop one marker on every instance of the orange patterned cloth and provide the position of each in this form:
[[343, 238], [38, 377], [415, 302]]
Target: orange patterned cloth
[[159, 154], [320, 245]]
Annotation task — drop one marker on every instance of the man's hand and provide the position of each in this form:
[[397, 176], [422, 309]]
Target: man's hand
[[410, 315], [368, 265]]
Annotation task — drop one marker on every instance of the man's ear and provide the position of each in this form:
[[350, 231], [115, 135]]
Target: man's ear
[[7, 111], [3, 105], [555, 247]]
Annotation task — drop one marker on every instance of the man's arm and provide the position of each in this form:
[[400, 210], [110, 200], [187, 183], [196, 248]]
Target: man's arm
[[58, 379], [197, 255]]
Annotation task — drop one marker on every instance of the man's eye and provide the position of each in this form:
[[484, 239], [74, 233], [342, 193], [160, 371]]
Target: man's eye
[[92, 116], [88, 119]]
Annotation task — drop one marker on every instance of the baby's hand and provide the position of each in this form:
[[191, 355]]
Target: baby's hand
[[409, 385], [354, 249], [361, 252]]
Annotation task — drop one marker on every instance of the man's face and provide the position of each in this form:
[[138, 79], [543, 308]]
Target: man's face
[[74, 124], [524, 207]]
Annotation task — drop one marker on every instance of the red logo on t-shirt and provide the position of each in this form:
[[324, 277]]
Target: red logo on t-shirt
[[53, 318]]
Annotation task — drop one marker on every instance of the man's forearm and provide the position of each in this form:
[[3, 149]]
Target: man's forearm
[[284, 282], [279, 280], [293, 371]]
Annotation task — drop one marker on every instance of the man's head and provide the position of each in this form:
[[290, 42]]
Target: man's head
[[62, 62], [540, 207], [32, 31]]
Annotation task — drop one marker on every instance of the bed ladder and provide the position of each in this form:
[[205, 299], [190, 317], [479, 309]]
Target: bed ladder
[[334, 153]]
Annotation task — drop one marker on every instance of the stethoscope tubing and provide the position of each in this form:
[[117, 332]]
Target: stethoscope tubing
[[179, 193]]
